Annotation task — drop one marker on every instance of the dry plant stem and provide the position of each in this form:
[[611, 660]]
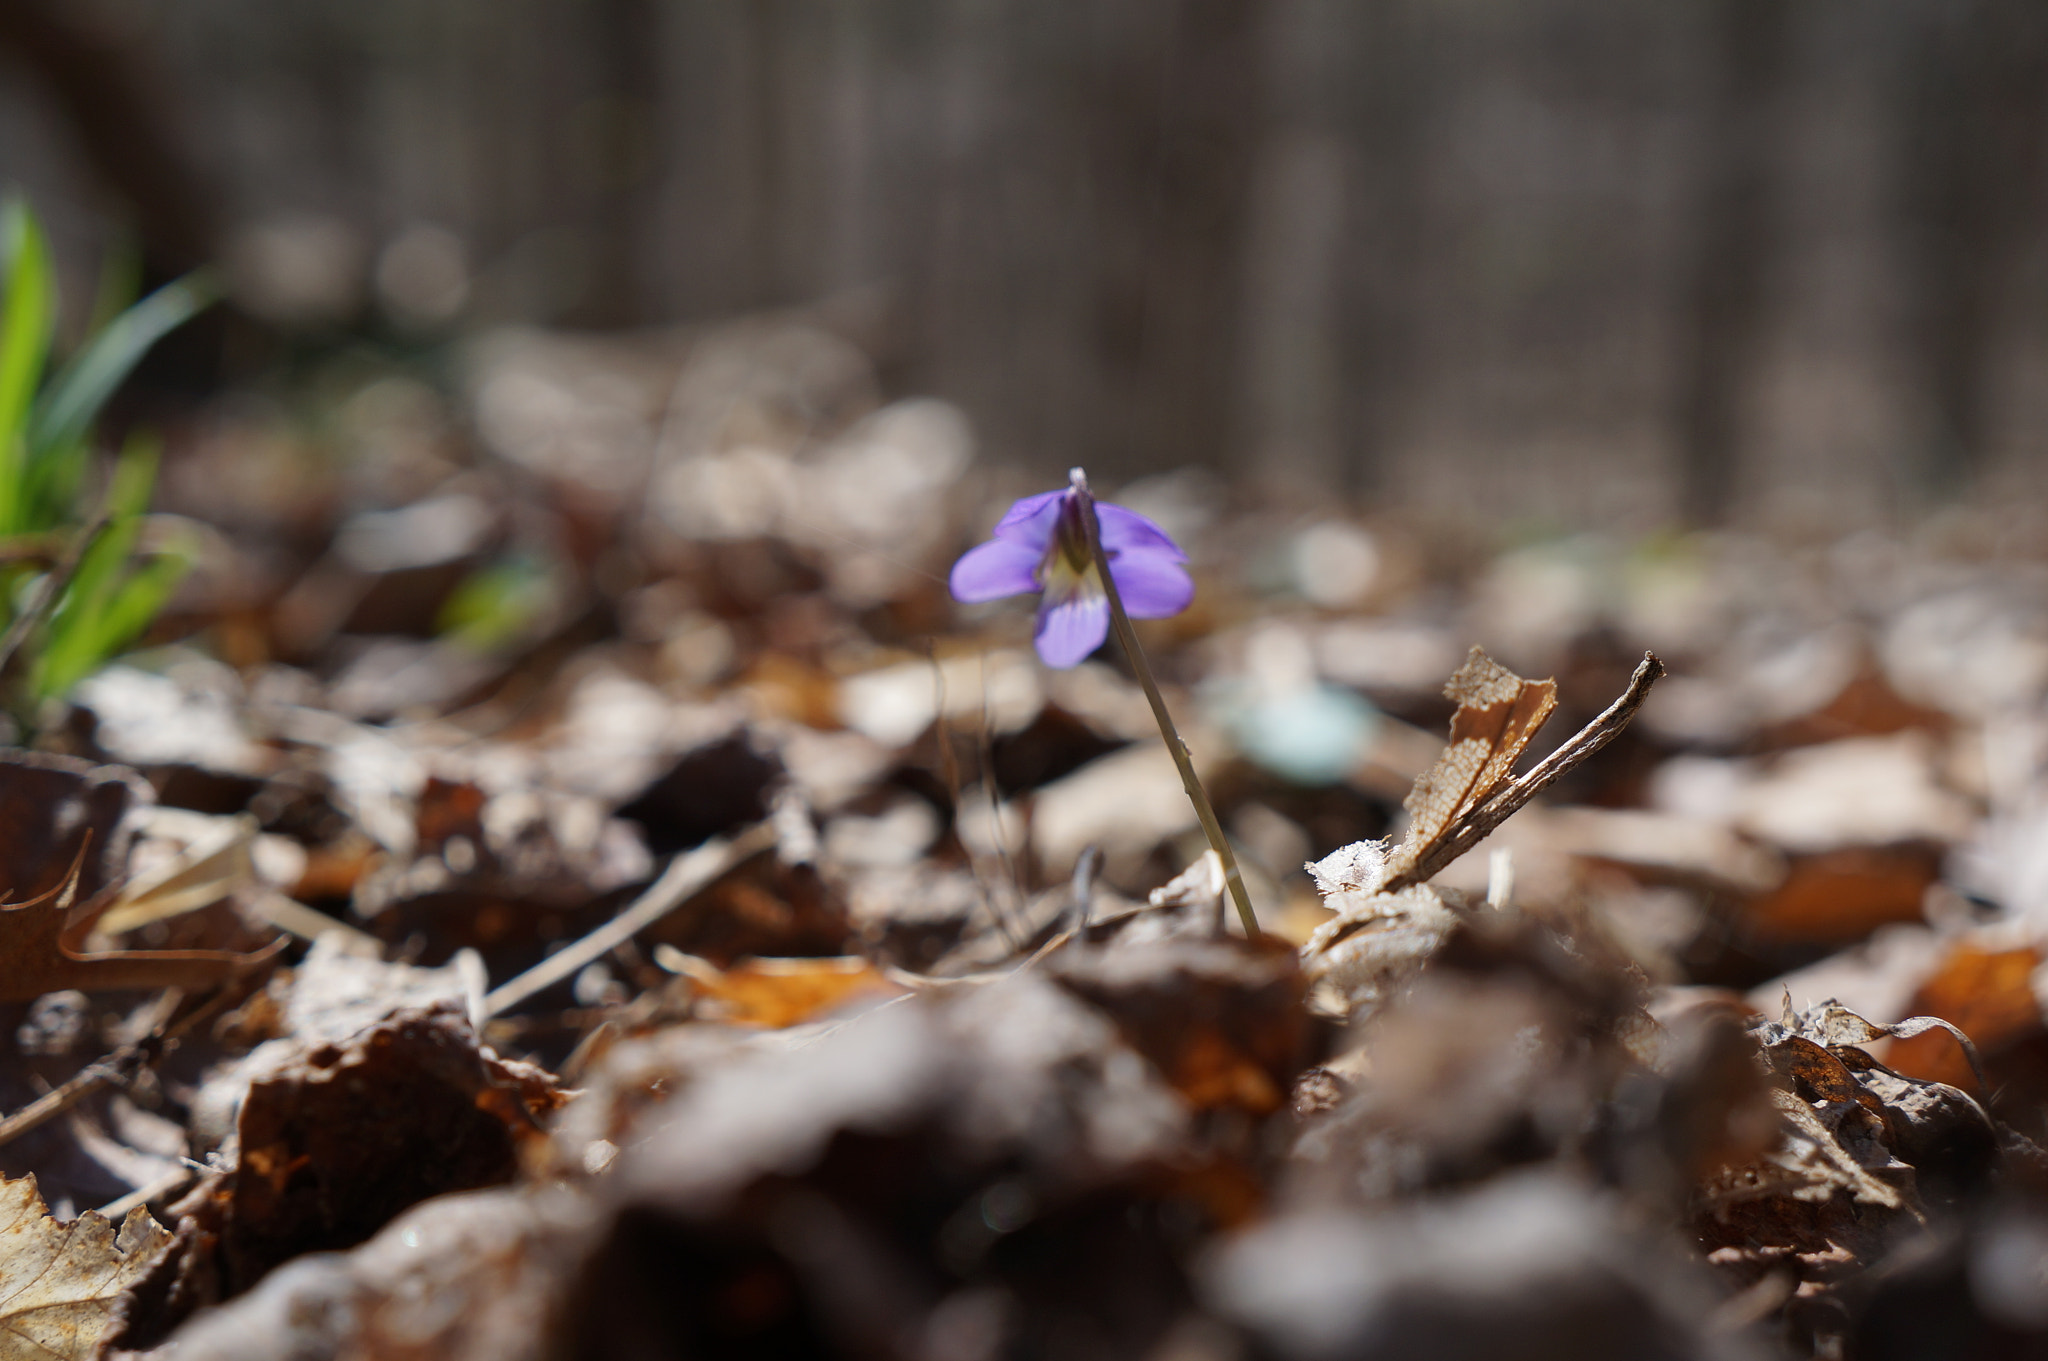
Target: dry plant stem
[[289, 914], [949, 764], [162, 1188], [1477, 825], [1128, 637], [686, 876]]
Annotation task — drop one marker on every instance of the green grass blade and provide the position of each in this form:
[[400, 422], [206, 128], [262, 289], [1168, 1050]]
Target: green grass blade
[[74, 642], [26, 324], [91, 642], [66, 413]]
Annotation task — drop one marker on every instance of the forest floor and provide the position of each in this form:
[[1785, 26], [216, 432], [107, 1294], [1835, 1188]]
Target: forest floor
[[566, 880]]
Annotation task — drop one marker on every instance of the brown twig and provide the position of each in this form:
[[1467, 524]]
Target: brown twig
[[117, 1069], [1478, 824]]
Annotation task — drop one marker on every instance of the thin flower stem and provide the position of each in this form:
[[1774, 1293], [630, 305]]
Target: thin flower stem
[[1175, 745]]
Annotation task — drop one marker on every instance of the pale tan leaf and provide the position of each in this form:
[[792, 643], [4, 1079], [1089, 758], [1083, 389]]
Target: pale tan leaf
[[212, 864], [59, 1282]]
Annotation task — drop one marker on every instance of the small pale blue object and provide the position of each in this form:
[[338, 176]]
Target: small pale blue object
[[1312, 736]]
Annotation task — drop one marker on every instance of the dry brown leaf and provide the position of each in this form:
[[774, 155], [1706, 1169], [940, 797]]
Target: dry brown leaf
[[1469, 792], [335, 1135], [59, 1282], [1837, 897], [1809, 1164], [1498, 713], [1221, 1020]]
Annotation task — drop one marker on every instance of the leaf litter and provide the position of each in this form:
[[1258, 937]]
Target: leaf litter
[[636, 921]]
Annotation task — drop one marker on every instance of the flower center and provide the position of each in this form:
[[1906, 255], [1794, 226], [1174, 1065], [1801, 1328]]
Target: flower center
[[1067, 568]]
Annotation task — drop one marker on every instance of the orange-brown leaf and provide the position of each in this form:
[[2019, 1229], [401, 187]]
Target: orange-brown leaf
[[777, 993], [1988, 994]]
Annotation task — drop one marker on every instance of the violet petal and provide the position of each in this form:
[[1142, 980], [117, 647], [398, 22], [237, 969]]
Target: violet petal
[[995, 569], [1126, 531], [1072, 628], [1152, 584]]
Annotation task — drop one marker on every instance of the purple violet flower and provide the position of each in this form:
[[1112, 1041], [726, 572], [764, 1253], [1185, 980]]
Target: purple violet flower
[[1042, 545]]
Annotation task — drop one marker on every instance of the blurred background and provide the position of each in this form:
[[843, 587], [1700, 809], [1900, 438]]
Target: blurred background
[[1583, 262]]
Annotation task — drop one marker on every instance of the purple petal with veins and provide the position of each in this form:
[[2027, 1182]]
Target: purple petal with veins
[[1038, 547], [1071, 629]]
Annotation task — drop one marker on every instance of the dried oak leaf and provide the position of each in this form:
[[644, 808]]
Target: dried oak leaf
[[61, 840], [59, 1282]]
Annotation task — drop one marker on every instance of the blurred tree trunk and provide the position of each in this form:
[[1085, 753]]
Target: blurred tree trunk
[[1385, 108], [1733, 252], [1974, 114], [620, 136], [1172, 131]]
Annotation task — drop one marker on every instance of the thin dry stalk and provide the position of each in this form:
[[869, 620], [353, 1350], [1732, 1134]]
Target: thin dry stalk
[[686, 876]]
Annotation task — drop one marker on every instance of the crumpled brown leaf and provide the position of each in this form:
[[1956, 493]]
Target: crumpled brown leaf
[[1222, 1020], [993, 1153], [59, 1283], [1864, 1155], [335, 1137], [1504, 1050]]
